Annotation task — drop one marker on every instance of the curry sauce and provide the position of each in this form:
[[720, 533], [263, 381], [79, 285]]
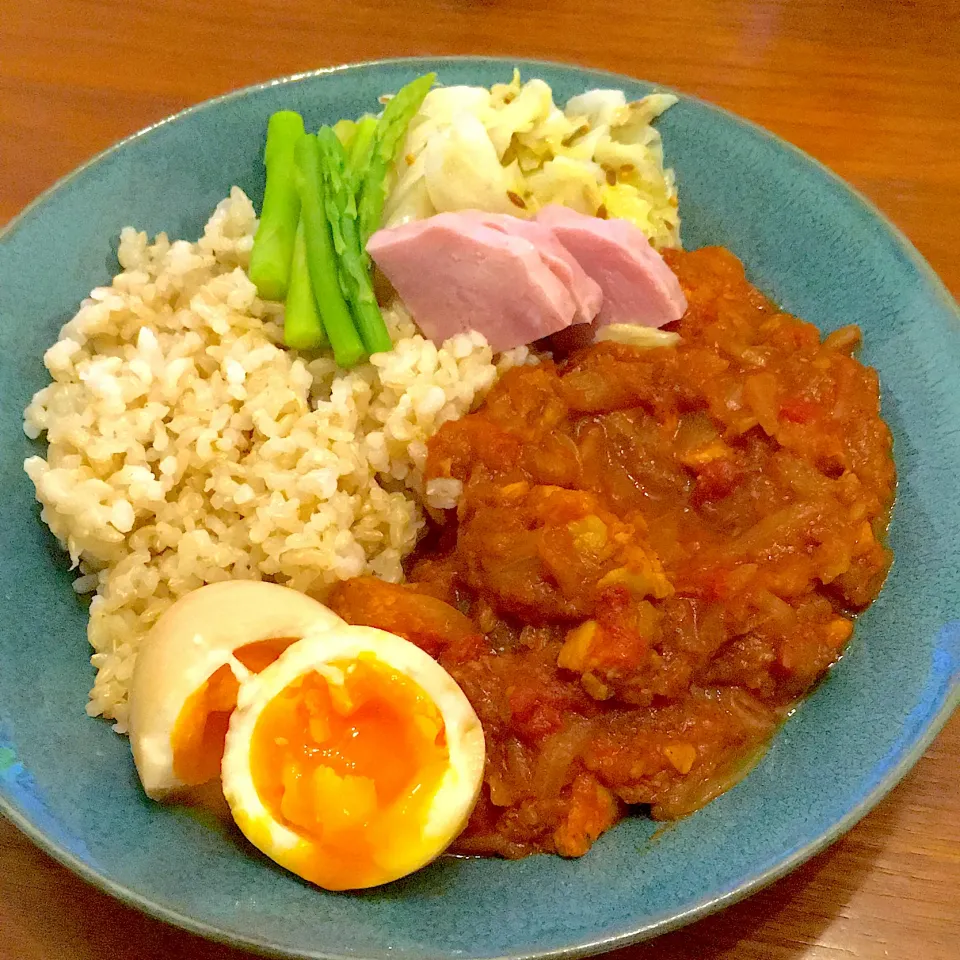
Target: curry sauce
[[655, 554]]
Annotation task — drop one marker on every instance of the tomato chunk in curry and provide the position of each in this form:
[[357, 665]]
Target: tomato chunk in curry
[[655, 553]]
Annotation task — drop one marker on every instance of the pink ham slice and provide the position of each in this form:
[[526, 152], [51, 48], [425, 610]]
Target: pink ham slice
[[585, 291], [456, 273], [638, 286]]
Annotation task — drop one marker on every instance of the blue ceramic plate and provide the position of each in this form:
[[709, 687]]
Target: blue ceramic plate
[[809, 242]]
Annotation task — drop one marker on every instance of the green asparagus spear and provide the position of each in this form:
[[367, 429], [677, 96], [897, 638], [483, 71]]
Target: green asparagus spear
[[345, 131], [359, 150], [273, 245], [322, 257], [302, 324], [342, 215], [391, 129]]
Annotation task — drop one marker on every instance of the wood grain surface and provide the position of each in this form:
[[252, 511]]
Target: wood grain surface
[[869, 87]]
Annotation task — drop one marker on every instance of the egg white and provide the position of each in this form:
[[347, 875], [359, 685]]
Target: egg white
[[188, 644], [459, 786]]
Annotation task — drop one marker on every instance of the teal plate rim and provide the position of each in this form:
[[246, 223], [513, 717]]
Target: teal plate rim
[[656, 925]]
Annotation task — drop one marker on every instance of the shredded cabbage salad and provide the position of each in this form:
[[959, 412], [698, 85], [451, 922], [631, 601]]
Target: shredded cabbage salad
[[511, 149]]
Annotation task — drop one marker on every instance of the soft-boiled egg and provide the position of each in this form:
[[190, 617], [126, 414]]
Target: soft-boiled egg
[[353, 759], [189, 669]]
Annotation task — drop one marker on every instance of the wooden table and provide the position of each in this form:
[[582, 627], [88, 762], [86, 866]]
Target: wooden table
[[870, 87]]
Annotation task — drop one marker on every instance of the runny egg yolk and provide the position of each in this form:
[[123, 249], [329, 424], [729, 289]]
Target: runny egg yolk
[[201, 728], [351, 768]]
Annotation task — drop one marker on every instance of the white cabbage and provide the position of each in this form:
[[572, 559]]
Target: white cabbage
[[551, 131], [613, 154], [634, 123], [408, 199], [439, 108], [569, 183], [624, 202], [502, 93], [462, 169], [472, 148], [531, 106], [597, 107]]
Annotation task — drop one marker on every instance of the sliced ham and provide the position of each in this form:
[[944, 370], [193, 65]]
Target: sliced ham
[[585, 291], [638, 286], [456, 273]]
